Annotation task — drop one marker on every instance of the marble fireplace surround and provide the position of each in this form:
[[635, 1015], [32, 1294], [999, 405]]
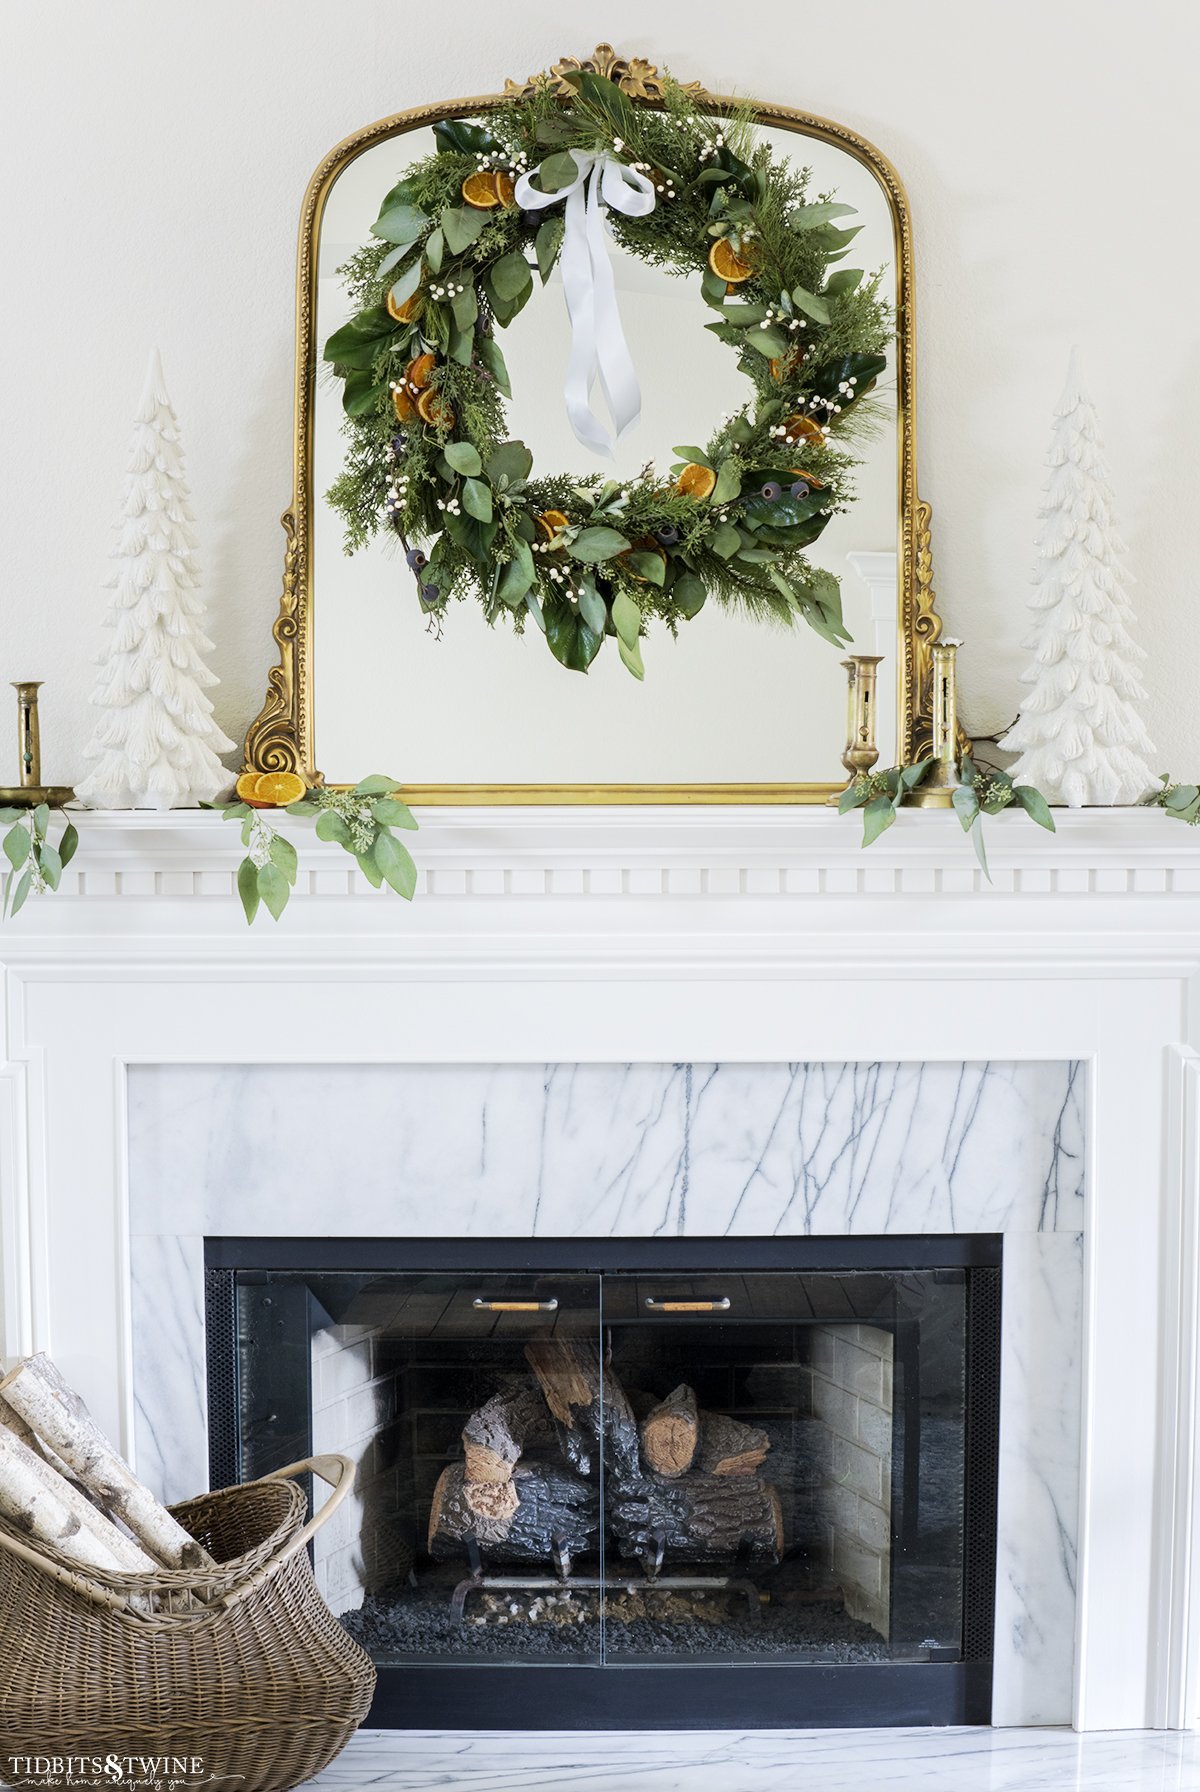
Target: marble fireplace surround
[[657, 938], [636, 1150]]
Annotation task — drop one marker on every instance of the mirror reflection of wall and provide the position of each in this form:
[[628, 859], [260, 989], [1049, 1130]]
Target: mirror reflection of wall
[[729, 700]]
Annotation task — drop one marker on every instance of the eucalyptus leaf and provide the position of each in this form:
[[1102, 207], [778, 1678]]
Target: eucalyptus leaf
[[283, 855], [558, 171], [810, 304], [407, 284], [688, 594], [725, 541], [20, 891], [687, 452], [393, 257], [592, 606], [517, 576], [41, 821], [16, 845], [772, 343], [69, 843], [547, 244], [390, 813], [645, 564], [966, 806], [976, 832], [511, 461], [396, 863], [462, 226], [51, 865], [376, 785], [464, 458], [729, 482], [435, 249], [627, 618], [402, 224], [535, 610], [488, 351], [1036, 806], [597, 543], [631, 657], [854, 796], [510, 276], [465, 308], [477, 500], [878, 815], [247, 883], [332, 826], [369, 869], [845, 280], [808, 217], [274, 889]]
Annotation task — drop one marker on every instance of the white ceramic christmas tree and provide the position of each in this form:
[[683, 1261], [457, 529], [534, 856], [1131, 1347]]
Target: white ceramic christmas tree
[[1079, 737], [156, 744]]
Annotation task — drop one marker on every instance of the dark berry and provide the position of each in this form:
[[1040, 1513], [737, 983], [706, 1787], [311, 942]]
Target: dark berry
[[772, 491], [668, 535], [429, 594], [416, 559], [800, 489], [399, 443]]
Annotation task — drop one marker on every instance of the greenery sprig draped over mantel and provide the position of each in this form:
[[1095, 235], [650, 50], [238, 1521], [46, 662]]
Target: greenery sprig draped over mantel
[[452, 263]]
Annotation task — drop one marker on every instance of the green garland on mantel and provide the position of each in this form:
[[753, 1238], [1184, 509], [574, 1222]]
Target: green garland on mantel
[[424, 380]]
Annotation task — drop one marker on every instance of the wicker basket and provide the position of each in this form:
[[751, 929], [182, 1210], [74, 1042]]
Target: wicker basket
[[246, 1669]]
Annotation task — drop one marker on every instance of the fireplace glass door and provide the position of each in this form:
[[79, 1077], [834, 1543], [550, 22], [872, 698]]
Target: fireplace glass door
[[618, 1469]]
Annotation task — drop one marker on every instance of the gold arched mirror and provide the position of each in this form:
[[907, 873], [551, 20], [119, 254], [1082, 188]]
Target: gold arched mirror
[[464, 707]]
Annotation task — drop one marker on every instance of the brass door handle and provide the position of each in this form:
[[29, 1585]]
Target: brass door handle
[[719, 1305], [514, 1306]]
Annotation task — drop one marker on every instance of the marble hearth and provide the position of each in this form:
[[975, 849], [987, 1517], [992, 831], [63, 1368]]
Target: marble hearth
[[639, 1150]]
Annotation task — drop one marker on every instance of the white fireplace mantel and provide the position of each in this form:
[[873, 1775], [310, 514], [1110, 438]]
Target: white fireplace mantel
[[650, 935]]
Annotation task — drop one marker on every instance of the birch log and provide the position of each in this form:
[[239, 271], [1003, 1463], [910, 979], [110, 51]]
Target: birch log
[[56, 1413], [11, 1417], [43, 1506]]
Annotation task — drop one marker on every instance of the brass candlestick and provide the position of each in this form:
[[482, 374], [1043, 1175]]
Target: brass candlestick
[[30, 792], [862, 749], [936, 790]]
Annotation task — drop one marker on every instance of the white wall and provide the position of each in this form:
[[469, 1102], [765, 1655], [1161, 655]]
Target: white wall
[[155, 156]]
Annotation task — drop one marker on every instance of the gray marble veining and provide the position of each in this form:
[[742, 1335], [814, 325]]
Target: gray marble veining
[[646, 1150], [593, 1150], [1024, 1760]]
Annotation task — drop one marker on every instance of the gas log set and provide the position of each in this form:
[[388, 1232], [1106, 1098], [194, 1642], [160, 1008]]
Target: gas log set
[[681, 1484]]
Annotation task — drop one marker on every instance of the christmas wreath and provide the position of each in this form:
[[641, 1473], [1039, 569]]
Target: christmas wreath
[[454, 253]]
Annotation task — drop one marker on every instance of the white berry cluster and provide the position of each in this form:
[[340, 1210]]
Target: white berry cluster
[[775, 316], [451, 506], [662, 183], [449, 291], [397, 496], [490, 163], [708, 151]]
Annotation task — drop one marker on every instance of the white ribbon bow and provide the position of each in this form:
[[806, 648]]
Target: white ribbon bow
[[598, 346]]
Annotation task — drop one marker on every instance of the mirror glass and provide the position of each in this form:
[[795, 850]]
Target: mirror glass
[[729, 700]]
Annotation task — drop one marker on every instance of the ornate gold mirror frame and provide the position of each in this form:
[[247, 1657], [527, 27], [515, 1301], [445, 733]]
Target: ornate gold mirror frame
[[282, 736]]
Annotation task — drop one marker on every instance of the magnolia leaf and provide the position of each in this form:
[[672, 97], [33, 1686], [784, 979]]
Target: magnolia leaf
[[247, 883], [1036, 806], [572, 642], [401, 224], [729, 482], [274, 889], [477, 500], [455, 134], [376, 785], [631, 657], [461, 226], [396, 863], [464, 458], [878, 815], [627, 618], [390, 813], [810, 304], [362, 392], [597, 543], [510, 276], [511, 461], [283, 854], [605, 96], [688, 594], [488, 351]]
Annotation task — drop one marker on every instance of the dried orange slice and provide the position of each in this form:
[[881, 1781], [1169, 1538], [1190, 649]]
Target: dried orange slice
[[696, 481], [275, 790], [803, 429], [479, 190], [551, 521], [405, 313], [506, 191], [433, 408], [419, 372], [727, 264], [402, 404], [246, 786]]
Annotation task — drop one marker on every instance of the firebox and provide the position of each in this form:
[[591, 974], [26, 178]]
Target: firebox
[[635, 1483]]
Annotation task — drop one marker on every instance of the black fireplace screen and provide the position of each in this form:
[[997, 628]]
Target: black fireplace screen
[[590, 1466]]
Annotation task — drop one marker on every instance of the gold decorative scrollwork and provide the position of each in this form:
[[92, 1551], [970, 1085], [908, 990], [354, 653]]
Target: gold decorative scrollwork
[[632, 74], [281, 739]]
